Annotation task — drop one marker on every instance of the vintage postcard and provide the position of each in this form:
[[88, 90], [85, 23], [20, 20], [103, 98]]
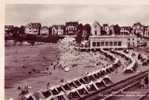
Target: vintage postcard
[[76, 51]]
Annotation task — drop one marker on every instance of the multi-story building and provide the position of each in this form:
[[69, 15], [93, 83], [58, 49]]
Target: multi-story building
[[33, 28], [146, 31], [84, 34], [58, 30], [44, 31], [138, 29], [106, 29], [8, 27], [86, 31], [71, 28], [125, 30], [9, 30], [106, 37], [96, 28], [112, 30]]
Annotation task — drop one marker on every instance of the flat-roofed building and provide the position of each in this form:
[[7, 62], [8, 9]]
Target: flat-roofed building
[[115, 42], [97, 42]]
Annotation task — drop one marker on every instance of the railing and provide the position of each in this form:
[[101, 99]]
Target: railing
[[95, 90], [132, 62], [110, 91]]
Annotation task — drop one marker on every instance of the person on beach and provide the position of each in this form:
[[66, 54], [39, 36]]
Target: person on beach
[[24, 90], [48, 85], [146, 82]]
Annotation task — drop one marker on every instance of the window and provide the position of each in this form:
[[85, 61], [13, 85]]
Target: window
[[115, 43], [98, 43], [94, 43], [119, 43], [102, 43], [95, 32], [111, 43], [106, 43]]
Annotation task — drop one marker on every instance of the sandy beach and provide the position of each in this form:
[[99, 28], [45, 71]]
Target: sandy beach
[[34, 66]]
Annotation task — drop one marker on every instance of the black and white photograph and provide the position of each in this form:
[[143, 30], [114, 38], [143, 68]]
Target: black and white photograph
[[76, 52]]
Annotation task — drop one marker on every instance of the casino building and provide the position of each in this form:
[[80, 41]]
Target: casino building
[[126, 40], [97, 42], [111, 42]]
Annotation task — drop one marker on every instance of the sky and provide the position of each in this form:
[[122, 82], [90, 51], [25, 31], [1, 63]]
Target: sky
[[49, 14]]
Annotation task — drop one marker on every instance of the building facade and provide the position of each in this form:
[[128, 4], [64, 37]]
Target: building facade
[[115, 42], [96, 28], [8, 30], [8, 27], [58, 30], [138, 29], [98, 42], [44, 31], [146, 31], [33, 28], [125, 30], [71, 28], [112, 30], [106, 29], [86, 31]]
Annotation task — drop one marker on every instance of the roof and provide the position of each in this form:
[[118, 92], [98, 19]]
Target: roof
[[56, 26], [34, 25], [138, 23], [9, 26], [75, 23], [96, 23], [146, 26], [126, 27], [105, 25], [45, 27], [112, 36]]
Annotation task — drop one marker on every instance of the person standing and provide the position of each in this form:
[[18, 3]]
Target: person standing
[[146, 82], [48, 85]]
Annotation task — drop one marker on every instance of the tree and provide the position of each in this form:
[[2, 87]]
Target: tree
[[117, 29], [87, 29], [15, 32], [103, 32], [22, 30], [18, 34], [79, 33]]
